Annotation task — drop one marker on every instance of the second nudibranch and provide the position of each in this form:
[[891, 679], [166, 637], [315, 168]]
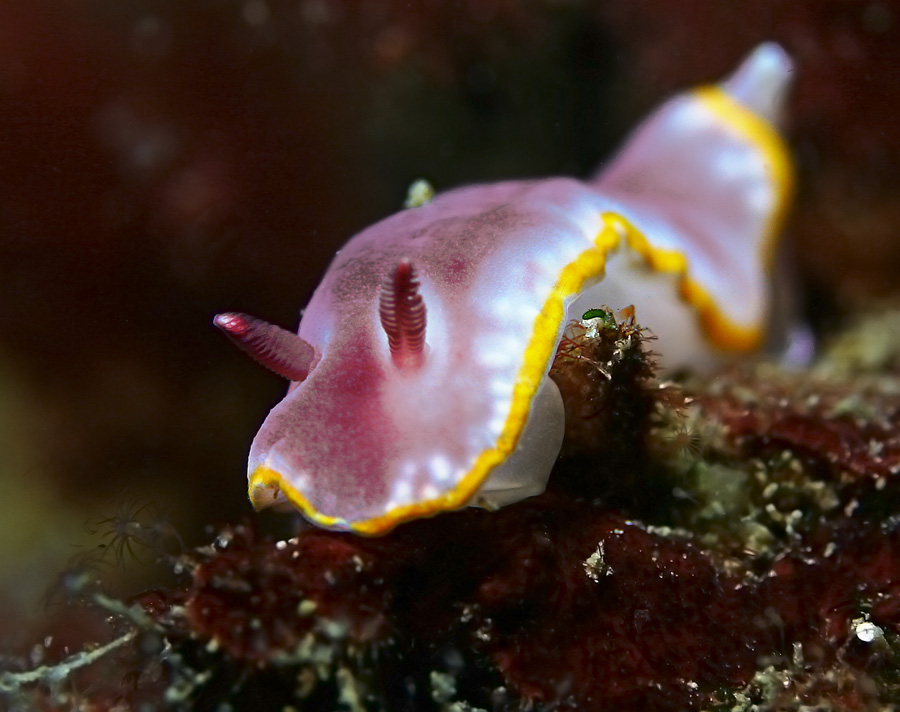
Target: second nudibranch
[[419, 373]]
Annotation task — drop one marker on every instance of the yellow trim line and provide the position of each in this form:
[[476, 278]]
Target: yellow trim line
[[589, 265]]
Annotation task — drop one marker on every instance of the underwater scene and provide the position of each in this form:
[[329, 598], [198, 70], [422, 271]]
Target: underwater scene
[[574, 364]]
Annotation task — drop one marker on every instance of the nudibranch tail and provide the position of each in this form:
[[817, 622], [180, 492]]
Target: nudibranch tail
[[402, 312], [761, 81], [277, 349], [705, 181]]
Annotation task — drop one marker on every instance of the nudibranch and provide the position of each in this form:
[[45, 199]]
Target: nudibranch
[[419, 373]]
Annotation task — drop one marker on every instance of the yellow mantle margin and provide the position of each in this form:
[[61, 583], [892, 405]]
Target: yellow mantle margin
[[589, 265]]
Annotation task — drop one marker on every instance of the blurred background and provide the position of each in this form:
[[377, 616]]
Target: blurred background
[[162, 160]]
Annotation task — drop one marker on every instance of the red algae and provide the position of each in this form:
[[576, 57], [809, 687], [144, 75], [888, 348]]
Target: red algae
[[651, 625], [824, 430], [656, 628], [256, 600]]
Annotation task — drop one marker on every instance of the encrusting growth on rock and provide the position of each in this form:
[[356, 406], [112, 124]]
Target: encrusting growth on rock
[[606, 375], [756, 573]]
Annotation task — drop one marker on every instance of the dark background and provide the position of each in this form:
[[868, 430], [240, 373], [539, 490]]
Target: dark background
[[162, 161]]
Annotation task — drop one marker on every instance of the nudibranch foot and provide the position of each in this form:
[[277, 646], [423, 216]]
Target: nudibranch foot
[[277, 349], [524, 473], [681, 223]]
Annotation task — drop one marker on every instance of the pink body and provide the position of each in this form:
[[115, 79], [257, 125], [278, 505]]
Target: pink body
[[680, 225]]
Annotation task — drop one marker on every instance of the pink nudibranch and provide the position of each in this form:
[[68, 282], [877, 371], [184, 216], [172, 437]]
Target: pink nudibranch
[[420, 368]]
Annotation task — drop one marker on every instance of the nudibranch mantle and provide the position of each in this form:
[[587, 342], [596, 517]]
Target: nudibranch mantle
[[681, 224]]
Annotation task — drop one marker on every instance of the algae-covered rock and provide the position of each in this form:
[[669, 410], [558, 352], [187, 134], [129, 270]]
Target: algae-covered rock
[[757, 569]]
